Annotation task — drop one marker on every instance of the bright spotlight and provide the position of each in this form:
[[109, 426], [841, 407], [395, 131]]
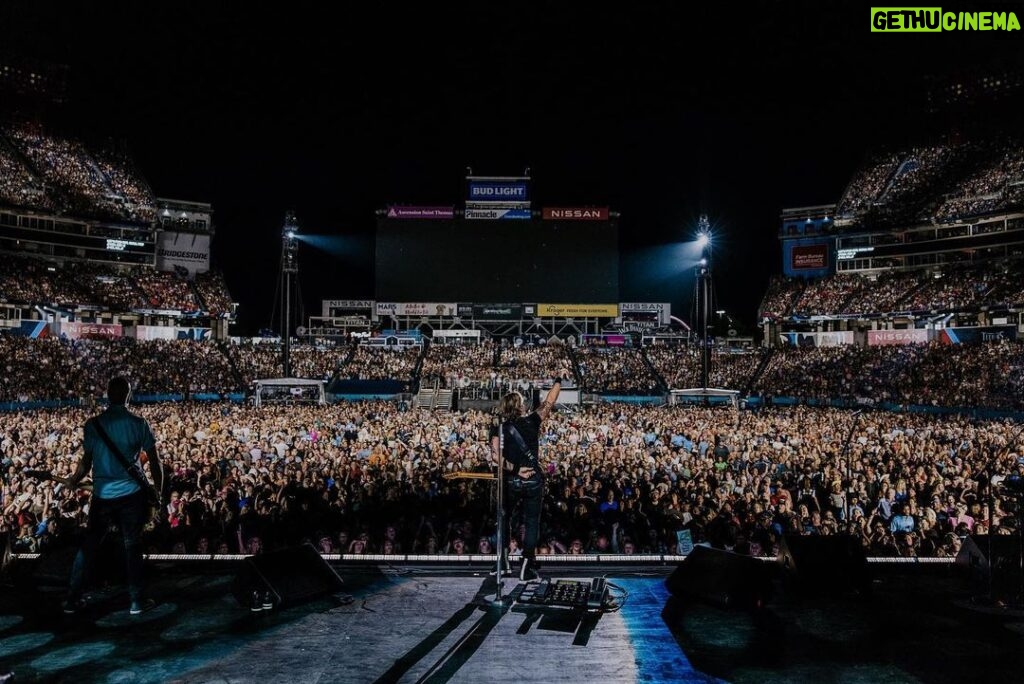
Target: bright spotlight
[[704, 262], [703, 239], [290, 234]]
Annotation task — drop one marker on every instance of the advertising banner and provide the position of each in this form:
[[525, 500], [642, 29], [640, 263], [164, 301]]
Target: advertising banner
[[976, 335], [498, 214], [578, 310], [90, 331], [807, 257], [498, 312], [155, 332], [604, 340], [465, 309], [575, 214], [193, 333], [333, 308], [817, 339], [421, 212], [183, 252], [417, 309], [803, 258], [882, 338], [167, 332], [663, 310], [497, 191]]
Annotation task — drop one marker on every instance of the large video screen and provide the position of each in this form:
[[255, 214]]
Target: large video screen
[[497, 261]]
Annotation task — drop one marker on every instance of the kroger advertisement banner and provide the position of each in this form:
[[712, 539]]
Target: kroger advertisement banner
[[986, 333], [417, 309], [498, 191], [498, 214], [817, 339], [183, 252], [90, 331], [882, 338], [579, 310], [421, 212]]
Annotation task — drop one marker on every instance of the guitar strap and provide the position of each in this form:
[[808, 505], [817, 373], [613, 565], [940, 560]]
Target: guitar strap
[[131, 468]]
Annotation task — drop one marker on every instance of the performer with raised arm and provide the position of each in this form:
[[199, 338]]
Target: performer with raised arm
[[524, 478]]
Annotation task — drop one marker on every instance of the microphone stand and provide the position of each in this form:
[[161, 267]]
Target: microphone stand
[[500, 517], [1019, 515]]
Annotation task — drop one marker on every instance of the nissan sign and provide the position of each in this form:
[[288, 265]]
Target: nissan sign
[[576, 214]]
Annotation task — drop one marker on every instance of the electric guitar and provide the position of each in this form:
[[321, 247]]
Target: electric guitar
[[46, 475]]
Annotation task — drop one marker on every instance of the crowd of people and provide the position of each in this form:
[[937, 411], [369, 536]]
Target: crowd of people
[[615, 370], [213, 293], [531, 363], [256, 359], [70, 284], [162, 290], [381, 363], [53, 368], [977, 375], [94, 183], [460, 365], [373, 478], [940, 182], [983, 375], [20, 187], [962, 287]]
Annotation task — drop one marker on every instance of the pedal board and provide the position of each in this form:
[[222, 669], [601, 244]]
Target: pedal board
[[587, 594]]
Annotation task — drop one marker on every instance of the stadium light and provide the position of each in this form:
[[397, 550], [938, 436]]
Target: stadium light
[[290, 234], [703, 239], [704, 261]]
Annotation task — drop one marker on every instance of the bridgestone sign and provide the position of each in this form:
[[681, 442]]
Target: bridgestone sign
[[188, 251]]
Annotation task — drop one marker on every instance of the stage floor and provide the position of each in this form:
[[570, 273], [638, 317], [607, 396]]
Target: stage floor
[[436, 625]]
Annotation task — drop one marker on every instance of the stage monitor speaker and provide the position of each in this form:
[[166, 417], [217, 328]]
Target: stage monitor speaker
[[722, 578], [812, 563], [1003, 566], [292, 576]]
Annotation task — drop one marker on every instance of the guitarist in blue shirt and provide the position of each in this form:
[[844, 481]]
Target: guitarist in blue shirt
[[113, 442]]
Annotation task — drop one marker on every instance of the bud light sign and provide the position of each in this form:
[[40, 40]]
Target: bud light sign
[[497, 192]]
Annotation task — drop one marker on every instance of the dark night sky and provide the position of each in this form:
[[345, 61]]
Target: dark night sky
[[662, 112]]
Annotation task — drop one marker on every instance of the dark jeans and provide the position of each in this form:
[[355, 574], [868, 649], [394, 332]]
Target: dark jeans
[[130, 514], [526, 496]]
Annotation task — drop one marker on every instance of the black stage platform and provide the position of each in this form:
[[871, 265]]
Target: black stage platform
[[437, 624]]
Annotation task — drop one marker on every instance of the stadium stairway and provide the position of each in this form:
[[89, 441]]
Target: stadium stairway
[[434, 397], [199, 298], [662, 385], [232, 363], [342, 364], [414, 380], [751, 382], [576, 373]]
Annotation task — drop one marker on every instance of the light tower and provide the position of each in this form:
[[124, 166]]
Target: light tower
[[703, 294], [289, 272]]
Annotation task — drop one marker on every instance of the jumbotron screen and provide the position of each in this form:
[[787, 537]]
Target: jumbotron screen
[[502, 260]]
